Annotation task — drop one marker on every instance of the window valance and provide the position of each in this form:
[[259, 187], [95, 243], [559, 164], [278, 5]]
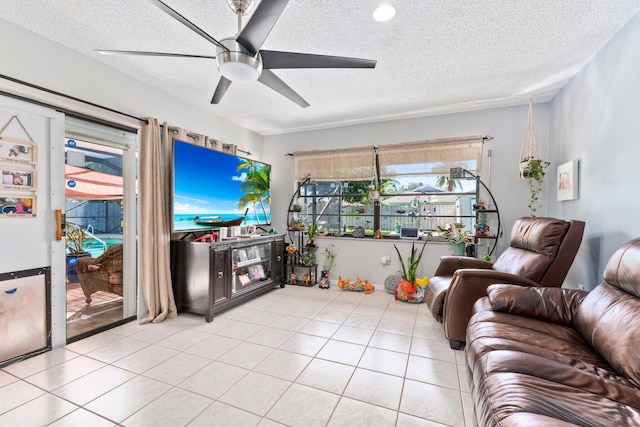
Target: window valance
[[435, 156], [346, 164]]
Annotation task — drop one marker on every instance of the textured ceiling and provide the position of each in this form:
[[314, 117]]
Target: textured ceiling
[[434, 57]]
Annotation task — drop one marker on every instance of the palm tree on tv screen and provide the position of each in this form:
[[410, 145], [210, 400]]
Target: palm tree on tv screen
[[256, 187]]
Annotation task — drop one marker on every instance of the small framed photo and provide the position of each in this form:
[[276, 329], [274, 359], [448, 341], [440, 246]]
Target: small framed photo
[[568, 181], [17, 151], [12, 206], [14, 178]]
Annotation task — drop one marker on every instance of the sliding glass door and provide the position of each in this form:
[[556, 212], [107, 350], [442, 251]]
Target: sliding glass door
[[100, 255]]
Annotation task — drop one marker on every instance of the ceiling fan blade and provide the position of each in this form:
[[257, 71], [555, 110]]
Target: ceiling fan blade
[[222, 87], [269, 79], [184, 21], [273, 59], [257, 29], [143, 53]]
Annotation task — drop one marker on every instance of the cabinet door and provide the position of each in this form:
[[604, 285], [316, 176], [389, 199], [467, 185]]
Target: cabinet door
[[278, 263], [220, 269], [252, 266]]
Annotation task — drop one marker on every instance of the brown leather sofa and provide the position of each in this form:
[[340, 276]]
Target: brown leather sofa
[[540, 252], [559, 357]]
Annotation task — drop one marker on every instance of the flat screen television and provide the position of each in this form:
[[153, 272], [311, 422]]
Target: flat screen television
[[212, 189]]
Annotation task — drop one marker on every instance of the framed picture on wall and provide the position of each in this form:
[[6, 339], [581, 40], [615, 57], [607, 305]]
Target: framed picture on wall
[[15, 178], [17, 151], [13, 206], [568, 181]]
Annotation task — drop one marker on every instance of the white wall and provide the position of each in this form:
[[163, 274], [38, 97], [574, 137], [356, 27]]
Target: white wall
[[596, 120], [506, 125]]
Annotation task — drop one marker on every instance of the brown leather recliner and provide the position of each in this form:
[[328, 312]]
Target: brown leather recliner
[[556, 356], [540, 253]]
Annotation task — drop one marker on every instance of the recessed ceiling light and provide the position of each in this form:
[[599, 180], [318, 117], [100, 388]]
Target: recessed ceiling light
[[384, 12]]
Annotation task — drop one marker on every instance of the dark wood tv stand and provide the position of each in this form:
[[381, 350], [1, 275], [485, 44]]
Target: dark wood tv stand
[[210, 277]]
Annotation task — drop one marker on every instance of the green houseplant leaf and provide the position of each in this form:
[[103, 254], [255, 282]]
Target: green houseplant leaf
[[409, 271]]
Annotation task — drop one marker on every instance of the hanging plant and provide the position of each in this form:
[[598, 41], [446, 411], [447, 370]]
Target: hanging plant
[[535, 174], [532, 168]]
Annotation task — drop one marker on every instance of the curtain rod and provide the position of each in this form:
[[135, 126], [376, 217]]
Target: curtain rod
[[53, 92]]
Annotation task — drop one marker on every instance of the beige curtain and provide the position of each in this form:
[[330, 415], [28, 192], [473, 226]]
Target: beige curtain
[[155, 212], [155, 229], [222, 146]]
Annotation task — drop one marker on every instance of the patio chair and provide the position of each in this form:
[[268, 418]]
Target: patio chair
[[540, 252], [101, 274]]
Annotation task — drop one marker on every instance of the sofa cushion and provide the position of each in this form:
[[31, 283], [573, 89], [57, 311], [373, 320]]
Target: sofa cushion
[[609, 319], [531, 372], [489, 331], [555, 305], [609, 316]]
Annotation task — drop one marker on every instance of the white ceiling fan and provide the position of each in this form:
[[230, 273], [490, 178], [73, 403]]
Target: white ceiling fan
[[241, 59]]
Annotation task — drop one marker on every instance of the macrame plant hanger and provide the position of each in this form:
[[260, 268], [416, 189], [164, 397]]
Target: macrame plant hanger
[[529, 150]]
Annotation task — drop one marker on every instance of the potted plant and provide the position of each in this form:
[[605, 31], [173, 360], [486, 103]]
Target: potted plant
[[482, 227], [409, 270], [457, 236], [409, 290], [534, 170], [75, 236], [312, 232], [308, 257], [329, 260]]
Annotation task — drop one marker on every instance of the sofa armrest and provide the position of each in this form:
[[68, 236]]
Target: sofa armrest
[[557, 305], [467, 286], [449, 264]]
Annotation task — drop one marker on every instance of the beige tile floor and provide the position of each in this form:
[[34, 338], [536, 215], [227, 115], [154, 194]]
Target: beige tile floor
[[295, 356]]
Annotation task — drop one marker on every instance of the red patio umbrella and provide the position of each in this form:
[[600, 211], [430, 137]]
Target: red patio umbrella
[[85, 184]]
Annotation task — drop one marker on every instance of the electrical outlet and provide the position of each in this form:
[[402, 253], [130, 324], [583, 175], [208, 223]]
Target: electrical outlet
[[581, 287]]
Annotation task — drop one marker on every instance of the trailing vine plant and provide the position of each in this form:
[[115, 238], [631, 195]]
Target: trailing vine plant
[[534, 174]]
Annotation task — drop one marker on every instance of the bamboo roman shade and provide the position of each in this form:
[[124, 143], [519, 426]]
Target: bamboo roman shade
[[435, 156], [348, 164]]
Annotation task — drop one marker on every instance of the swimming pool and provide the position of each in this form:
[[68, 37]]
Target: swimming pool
[[96, 248]]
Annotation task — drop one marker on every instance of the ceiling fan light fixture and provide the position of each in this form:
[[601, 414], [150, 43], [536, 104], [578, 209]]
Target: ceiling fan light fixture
[[384, 12], [239, 67]]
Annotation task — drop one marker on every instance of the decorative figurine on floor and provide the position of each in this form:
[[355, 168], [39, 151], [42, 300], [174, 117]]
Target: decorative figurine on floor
[[324, 282], [359, 286], [306, 278], [293, 278]]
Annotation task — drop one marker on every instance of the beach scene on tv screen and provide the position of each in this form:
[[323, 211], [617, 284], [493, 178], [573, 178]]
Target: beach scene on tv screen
[[214, 189]]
